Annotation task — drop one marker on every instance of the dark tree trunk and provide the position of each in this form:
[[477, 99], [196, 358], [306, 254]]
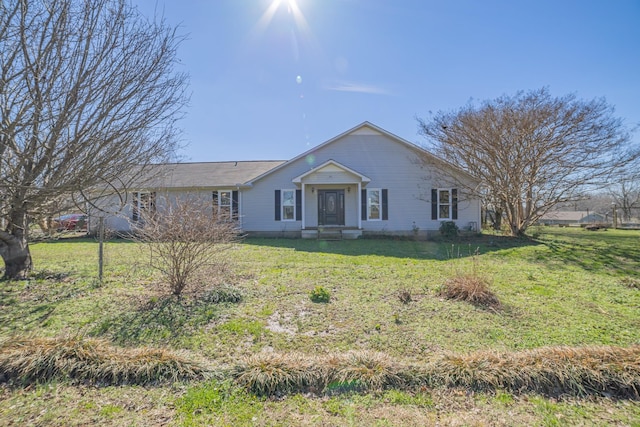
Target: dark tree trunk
[[17, 258], [14, 247]]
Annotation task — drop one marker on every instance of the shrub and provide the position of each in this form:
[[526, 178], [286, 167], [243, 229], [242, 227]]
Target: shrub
[[184, 237], [449, 229], [470, 288], [29, 360], [320, 294]]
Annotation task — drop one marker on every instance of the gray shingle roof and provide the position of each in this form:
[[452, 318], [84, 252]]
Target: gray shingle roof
[[207, 174]]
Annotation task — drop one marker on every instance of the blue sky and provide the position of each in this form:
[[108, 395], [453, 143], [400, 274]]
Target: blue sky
[[272, 79]]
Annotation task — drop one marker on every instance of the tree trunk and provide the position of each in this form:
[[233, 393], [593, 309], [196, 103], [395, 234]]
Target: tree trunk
[[16, 256], [17, 259], [14, 246]]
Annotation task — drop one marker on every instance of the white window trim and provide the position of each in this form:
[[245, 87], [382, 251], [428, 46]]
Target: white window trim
[[282, 205], [379, 190], [138, 208], [220, 205], [450, 204]]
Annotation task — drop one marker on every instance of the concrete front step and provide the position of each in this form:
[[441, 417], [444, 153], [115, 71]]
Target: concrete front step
[[330, 235]]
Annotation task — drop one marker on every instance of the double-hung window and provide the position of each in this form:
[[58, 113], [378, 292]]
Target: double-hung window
[[144, 203], [444, 204], [373, 204], [225, 204], [288, 205]]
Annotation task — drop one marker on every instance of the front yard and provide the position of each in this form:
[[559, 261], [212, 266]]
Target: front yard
[[566, 287]]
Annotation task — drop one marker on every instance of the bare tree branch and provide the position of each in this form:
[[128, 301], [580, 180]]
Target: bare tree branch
[[532, 151], [88, 93]]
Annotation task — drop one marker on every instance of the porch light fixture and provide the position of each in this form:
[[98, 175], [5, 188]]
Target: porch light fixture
[[313, 189], [349, 189]]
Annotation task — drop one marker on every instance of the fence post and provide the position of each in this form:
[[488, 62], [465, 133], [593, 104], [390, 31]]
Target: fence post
[[100, 247]]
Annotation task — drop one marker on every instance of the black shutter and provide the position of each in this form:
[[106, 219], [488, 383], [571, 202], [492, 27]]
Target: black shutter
[[234, 205], [298, 205], [454, 203], [363, 204], [277, 205], [214, 204], [385, 204], [434, 203], [152, 202], [135, 215]]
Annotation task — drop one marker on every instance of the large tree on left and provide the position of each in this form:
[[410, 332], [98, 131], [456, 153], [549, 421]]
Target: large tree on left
[[89, 94]]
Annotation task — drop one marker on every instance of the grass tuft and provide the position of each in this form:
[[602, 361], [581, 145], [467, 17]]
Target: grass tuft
[[471, 288], [274, 373], [223, 293], [33, 360], [370, 370]]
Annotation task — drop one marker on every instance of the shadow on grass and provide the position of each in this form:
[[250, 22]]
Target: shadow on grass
[[438, 249], [165, 319], [29, 304], [614, 251]]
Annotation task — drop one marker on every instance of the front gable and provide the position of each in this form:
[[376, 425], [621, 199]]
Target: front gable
[[331, 172]]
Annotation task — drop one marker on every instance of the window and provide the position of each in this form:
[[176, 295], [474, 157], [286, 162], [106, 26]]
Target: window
[[144, 203], [225, 204], [373, 204], [444, 204], [288, 205]]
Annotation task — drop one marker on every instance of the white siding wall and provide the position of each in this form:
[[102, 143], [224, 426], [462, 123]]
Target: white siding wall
[[388, 163]]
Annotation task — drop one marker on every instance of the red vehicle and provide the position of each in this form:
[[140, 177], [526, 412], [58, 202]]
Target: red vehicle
[[71, 222]]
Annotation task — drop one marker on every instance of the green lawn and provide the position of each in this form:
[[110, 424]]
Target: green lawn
[[565, 287]]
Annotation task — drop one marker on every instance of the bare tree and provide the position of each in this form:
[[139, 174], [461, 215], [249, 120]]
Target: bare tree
[[89, 95], [625, 192], [185, 236], [532, 151]]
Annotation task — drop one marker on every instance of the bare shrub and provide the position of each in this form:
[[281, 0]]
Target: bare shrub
[[185, 236]]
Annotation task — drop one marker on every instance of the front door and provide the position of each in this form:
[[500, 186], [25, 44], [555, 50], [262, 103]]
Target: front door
[[330, 207]]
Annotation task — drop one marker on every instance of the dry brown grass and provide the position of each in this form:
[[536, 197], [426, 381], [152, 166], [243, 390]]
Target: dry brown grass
[[579, 371], [599, 371], [275, 373], [30, 360], [471, 288]]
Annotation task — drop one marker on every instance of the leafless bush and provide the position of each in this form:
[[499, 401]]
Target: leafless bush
[[185, 236]]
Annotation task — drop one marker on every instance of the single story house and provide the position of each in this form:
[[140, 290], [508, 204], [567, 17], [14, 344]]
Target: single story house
[[365, 181], [571, 218]]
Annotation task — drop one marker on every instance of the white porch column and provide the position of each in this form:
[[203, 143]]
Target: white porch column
[[303, 206], [359, 205]]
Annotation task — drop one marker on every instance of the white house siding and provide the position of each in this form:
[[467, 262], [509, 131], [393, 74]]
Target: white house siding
[[117, 218], [389, 164]]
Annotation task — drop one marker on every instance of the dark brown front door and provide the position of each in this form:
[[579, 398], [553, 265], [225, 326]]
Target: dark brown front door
[[330, 207]]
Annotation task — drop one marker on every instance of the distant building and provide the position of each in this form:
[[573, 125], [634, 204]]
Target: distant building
[[571, 218]]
